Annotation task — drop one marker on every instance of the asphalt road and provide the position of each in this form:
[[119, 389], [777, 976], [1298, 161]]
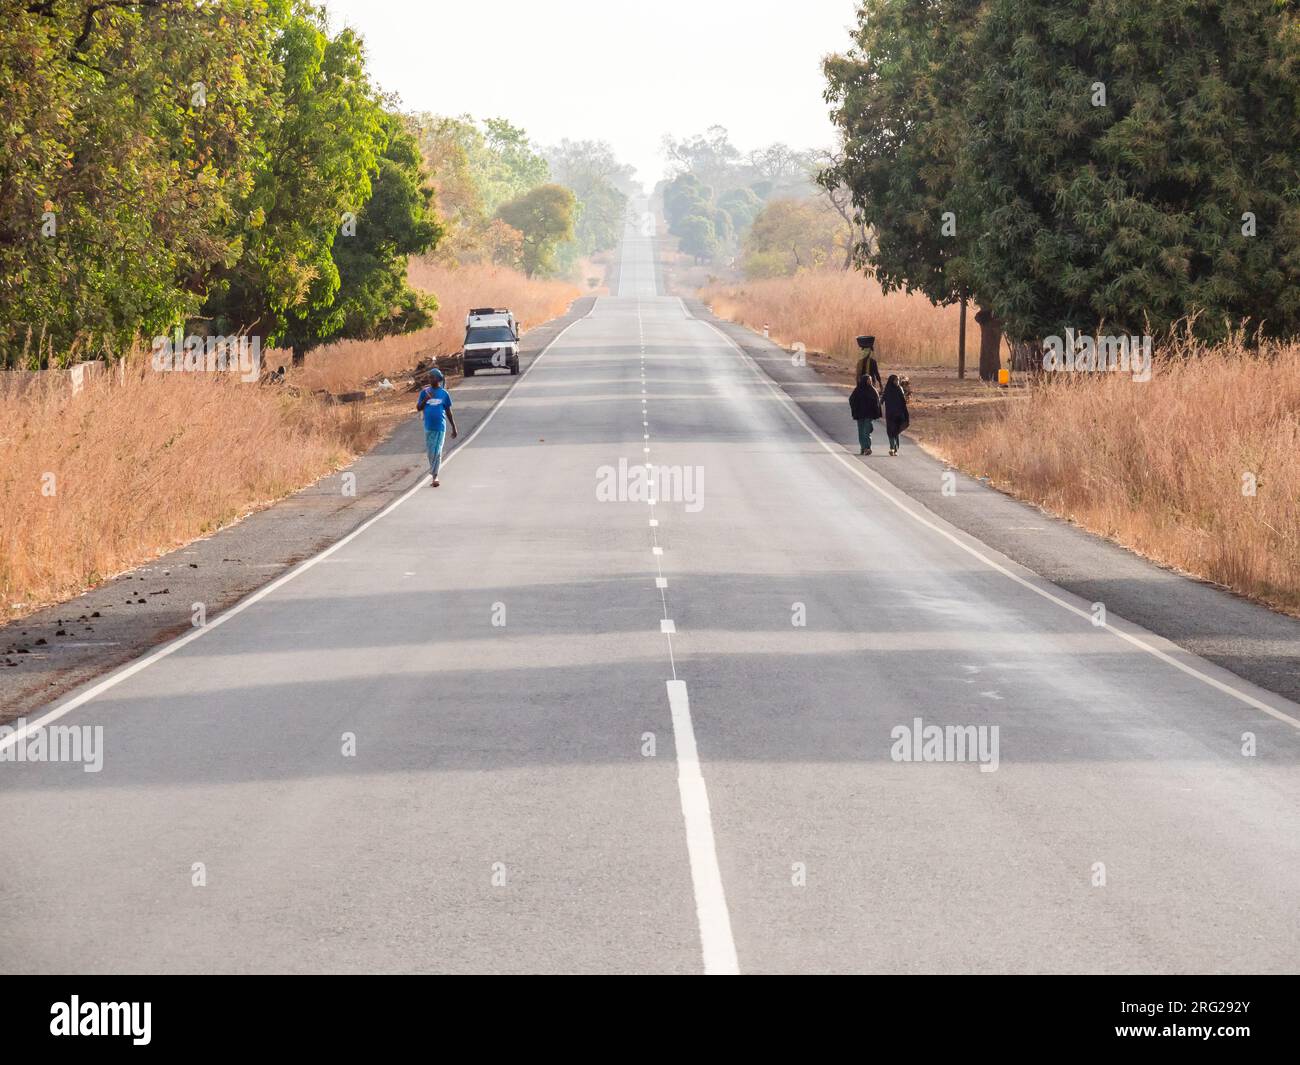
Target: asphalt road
[[597, 734]]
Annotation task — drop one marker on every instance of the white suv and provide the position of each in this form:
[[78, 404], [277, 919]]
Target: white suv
[[491, 341]]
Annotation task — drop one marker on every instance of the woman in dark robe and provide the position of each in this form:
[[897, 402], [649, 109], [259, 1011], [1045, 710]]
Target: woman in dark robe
[[864, 405], [896, 417]]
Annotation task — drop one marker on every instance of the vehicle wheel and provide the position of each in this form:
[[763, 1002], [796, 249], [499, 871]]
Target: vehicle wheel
[[514, 368], [469, 372]]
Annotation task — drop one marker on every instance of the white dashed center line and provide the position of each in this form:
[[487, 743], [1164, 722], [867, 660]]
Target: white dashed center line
[[716, 941]]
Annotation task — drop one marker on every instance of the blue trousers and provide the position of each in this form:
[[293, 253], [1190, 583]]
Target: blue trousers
[[433, 439]]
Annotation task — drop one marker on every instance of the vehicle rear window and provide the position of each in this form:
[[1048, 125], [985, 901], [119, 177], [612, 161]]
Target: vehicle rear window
[[490, 334]]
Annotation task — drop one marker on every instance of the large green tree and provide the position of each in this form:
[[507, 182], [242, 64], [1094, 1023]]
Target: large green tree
[[323, 142], [512, 165], [1135, 163], [742, 207], [793, 235], [688, 202], [166, 158], [598, 180], [699, 237], [899, 97], [397, 221], [544, 216], [684, 196], [494, 157], [130, 143], [476, 167], [1073, 164]]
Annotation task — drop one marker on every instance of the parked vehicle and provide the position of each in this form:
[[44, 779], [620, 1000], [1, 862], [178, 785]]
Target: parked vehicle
[[491, 340]]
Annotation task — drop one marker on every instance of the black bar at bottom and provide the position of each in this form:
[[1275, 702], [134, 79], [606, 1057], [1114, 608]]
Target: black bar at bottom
[[333, 1014]]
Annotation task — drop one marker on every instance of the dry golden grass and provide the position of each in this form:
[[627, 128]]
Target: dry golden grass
[[144, 463], [348, 364], [826, 309], [1161, 466], [593, 269]]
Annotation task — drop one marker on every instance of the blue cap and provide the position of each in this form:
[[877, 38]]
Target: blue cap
[[436, 374]]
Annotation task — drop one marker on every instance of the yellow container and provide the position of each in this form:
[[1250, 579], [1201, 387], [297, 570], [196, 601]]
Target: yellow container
[[1004, 376]]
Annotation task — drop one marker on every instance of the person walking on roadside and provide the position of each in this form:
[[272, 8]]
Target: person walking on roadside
[[864, 405], [867, 365], [435, 402], [894, 403]]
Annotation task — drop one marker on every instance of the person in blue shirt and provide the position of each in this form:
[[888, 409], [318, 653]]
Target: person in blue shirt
[[435, 402]]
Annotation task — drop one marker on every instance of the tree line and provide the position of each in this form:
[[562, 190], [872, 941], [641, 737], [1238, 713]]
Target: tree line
[[717, 193], [1128, 167], [507, 201], [168, 161], [765, 212]]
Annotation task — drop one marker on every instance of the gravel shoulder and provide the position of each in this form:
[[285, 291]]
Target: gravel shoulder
[[1248, 639], [49, 653]]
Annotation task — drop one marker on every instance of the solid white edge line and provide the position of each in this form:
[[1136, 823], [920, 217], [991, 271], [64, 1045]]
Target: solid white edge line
[[839, 456], [131, 669], [716, 942]]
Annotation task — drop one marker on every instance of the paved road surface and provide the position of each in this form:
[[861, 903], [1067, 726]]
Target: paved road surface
[[602, 735]]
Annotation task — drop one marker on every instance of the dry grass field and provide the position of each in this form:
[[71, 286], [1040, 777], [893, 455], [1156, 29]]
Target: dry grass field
[[136, 465], [1199, 468], [825, 310]]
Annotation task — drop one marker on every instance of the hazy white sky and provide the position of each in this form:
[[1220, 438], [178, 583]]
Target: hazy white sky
[[616, 71]]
